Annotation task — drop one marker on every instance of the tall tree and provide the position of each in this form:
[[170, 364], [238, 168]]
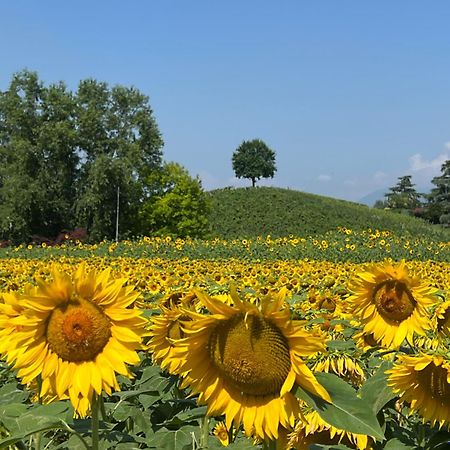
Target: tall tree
[[403, 195], [64, 156], [254, 160], [38, 162], [120, 145], [438, 206]]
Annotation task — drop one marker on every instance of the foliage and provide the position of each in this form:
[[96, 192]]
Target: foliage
[[438, 206], [245, 213], [403, 196], [63, 155], [176, 204], [254, 160], [38, 161]]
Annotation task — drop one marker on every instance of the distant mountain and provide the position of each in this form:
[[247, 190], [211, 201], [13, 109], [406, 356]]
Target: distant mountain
[[371, 198]]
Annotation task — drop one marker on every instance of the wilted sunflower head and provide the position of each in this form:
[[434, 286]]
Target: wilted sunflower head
[[312, 429], [391, 304], [77, 331], [243, 361], [422, 381]]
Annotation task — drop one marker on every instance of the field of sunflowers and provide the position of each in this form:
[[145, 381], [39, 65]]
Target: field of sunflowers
[[332, 342]]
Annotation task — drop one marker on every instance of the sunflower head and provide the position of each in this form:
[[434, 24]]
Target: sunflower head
[[422, 381], [391, 304], [77, 331], [244, 358]]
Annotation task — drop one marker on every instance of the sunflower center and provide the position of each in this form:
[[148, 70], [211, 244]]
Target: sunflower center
[[251, 354], [435, 378], [394, 300], [78, 331]]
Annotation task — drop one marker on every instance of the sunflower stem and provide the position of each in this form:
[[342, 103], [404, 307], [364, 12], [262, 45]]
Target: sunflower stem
[[269, 445], [102, 408], [37, 440], [95, 421], [204, 427]]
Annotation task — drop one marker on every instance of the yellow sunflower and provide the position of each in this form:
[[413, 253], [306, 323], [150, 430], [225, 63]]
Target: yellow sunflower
[[391, 304], [312, 429], [423, 381], [244, 360], [221, 432], [165, 330], [75, 333]]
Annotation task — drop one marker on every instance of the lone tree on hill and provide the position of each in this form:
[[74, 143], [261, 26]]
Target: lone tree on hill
[[254, 160], [403, 195]]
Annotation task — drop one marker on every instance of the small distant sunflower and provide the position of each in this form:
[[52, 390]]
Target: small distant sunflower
[[312, 429], [244, 360], [221, 432], [391, 304], [75, 333], [422, 381]]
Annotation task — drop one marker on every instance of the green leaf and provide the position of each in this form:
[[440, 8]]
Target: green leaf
[[375, 391], [347, 412], [174, 440], [396, 444]]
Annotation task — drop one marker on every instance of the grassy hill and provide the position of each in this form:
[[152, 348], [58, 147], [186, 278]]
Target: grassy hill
[[250, 212]]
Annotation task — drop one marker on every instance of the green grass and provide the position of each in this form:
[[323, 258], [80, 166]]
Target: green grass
[[262, 211]]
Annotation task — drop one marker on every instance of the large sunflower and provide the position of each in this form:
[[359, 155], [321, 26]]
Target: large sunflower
[[391, 304], [244, 360], [423, 381], [74, 334]]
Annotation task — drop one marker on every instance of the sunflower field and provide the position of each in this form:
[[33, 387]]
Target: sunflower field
[[338, 341]]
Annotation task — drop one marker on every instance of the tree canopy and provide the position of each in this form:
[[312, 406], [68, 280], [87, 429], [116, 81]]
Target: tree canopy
[[64, 155], [403, 195], [176, 204], [254, 160]]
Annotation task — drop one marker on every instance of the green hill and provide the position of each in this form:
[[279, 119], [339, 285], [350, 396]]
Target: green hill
[[250, 212]]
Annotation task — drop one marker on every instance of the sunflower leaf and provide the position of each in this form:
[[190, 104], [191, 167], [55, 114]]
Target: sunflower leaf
[[347, 412], [375, 391]]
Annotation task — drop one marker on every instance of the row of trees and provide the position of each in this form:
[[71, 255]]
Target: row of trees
[[76, 159], [434, 206]]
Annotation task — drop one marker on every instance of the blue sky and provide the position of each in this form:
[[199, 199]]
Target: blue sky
[[350, 94]]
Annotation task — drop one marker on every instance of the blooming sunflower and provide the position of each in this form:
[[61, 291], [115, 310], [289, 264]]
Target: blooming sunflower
[[244, 360], [423, 381], [391, 304], [221, 432], [75, 333]]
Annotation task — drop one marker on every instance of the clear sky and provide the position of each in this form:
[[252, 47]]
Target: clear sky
[[350, 94]]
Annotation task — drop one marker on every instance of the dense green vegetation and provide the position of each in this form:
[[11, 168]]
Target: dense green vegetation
[[249, 212]]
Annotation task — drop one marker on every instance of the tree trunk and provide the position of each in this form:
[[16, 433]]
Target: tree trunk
[[253, 182]]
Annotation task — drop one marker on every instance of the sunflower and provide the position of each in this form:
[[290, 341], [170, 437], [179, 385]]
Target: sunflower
[[344, 366], [221, 432], [74, 334], [422, 381], [312, 429], [391, 304], [244, 360], [165, 330]]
